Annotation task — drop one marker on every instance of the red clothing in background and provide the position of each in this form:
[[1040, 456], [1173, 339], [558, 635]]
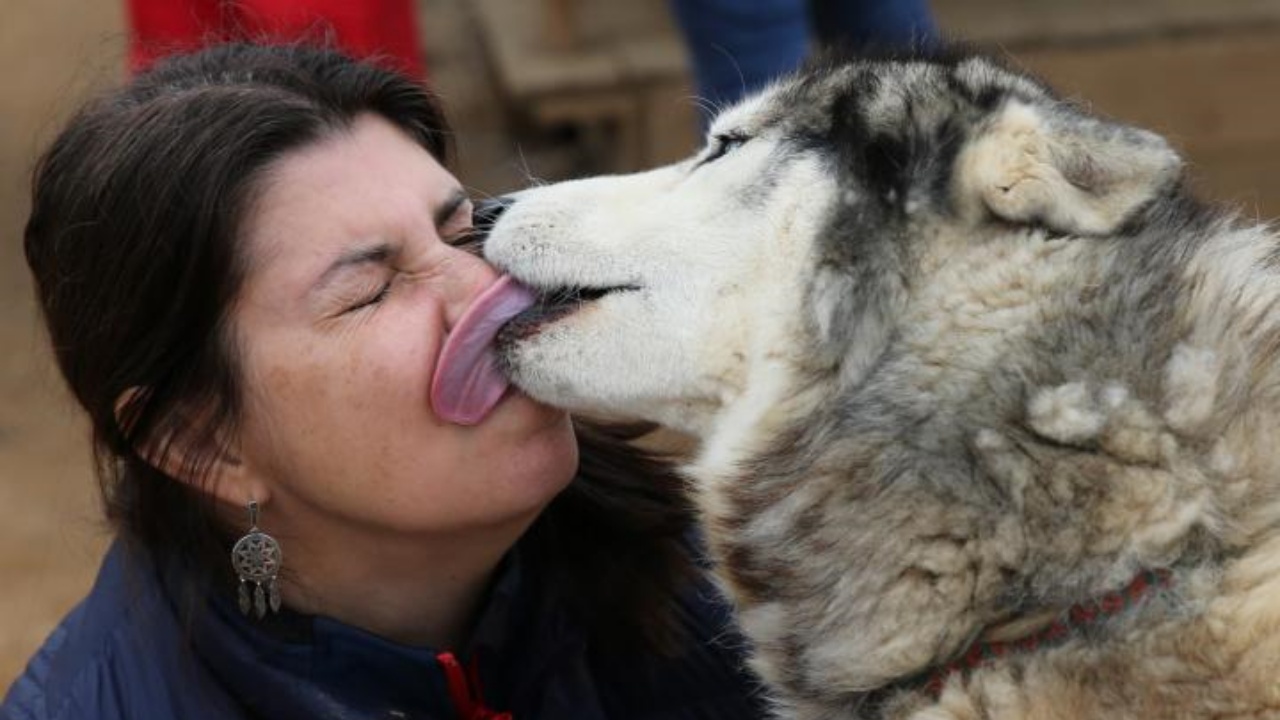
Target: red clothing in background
[[362, 28]]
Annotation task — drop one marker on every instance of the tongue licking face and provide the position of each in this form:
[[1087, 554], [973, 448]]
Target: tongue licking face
[[467, 383]]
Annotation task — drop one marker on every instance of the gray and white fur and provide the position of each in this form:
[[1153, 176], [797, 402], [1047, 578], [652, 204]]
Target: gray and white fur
[[958, 354]]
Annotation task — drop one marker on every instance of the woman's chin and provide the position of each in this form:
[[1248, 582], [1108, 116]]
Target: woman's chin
[[533, 426], [545, 457]]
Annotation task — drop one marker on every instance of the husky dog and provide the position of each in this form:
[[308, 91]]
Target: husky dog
[[988, 405]]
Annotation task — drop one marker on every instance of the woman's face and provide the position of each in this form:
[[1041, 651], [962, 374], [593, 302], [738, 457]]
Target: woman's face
[[352, 286]]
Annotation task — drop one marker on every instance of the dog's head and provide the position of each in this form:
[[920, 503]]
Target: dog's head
[[808, 210]]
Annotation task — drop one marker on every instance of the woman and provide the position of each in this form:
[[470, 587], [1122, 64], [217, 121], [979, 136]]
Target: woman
[[249, 260]]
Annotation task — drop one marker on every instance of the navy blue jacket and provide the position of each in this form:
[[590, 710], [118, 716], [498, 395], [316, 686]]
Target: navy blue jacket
[[124, 654]]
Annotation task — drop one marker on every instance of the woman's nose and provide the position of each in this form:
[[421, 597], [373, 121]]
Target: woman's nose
[[475, 274], [472, 276]]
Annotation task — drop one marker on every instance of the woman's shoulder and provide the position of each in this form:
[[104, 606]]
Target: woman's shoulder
[[702, 674], [707, 678], [539, 658], [120, 653]]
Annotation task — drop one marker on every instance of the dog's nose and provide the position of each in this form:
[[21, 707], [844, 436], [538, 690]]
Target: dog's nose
[[487, 212]]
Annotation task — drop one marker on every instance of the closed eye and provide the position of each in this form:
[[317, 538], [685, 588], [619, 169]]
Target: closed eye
[[467, 240], [372, 299], [722, 145]]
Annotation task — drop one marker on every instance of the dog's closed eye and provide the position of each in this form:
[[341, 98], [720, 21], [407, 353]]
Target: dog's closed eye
[[722, 145]]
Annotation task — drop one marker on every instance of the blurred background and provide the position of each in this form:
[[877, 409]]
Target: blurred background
[[550, 89]]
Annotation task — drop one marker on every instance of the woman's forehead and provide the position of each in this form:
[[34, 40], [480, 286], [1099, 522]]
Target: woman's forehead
[[369, 183]]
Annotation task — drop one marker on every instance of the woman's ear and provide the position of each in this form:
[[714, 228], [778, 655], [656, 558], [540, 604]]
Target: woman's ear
[[186, 449]]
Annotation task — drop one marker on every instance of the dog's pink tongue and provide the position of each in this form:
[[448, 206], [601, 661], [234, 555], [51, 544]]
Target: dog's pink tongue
[[467, 383]]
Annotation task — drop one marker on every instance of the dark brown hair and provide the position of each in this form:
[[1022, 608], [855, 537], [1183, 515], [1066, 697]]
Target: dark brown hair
[[132, 241]]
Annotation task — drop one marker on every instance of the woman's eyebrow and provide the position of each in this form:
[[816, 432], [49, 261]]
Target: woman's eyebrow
[[381, 252], [370, 254], [450, 207]]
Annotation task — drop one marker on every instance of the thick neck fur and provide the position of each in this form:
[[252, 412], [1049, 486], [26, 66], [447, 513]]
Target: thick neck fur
[[1049, 417]]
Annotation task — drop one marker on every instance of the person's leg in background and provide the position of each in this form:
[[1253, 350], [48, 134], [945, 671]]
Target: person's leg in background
[[738, 46], [881, 24]]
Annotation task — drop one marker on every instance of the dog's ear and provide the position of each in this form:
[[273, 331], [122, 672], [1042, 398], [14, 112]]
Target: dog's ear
[[1054, 166]]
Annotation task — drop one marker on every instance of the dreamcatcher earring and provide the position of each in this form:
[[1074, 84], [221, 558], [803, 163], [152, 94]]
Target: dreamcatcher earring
[[256, 558]]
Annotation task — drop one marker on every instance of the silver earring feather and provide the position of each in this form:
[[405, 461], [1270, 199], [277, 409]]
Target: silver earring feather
[[257, 558]]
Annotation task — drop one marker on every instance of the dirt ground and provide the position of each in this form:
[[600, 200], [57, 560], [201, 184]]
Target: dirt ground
[[53, 53]]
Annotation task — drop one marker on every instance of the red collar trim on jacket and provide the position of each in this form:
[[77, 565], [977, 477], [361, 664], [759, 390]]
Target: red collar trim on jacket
[[465, 690]]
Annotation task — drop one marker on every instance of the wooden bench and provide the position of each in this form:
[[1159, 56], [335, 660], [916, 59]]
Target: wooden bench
[[616, 68]]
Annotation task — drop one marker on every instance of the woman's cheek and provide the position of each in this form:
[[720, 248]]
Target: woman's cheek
[[408, 351]]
